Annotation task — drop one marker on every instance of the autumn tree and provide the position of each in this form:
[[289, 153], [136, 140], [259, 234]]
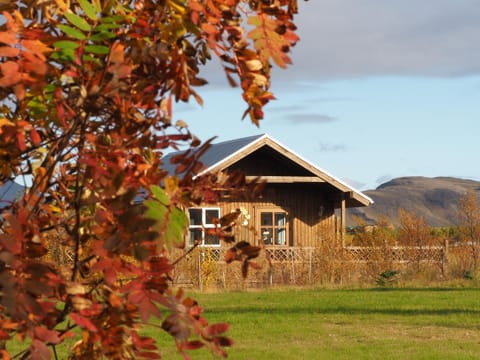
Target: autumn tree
[[469, 224], [380, 234], [86, 92], [415, 233]]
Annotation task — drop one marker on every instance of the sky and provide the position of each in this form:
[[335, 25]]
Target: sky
[[378, 89]]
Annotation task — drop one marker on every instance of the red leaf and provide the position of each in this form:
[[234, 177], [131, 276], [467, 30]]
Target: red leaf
[[46, 335], [255, 265], [21, 141], [39, 350], [230, 256], [245, 269], [215, 329], [35, 137], [223, 341], [149, 355], [4, 335], [143, 342], [193, 345], [83, 322]]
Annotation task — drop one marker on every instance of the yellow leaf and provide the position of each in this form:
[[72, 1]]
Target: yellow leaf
[[259, 80], [181, 124], [254, 65], [64, 6], [76, 289], [55, 209], [171, 184], [5, 122]]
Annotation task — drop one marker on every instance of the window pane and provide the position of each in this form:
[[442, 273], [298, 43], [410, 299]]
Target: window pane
[[195, 235], [267, 235], [280, 219], [280, 237], [195, 216], [211, 240], [266, 219], [211, 214]]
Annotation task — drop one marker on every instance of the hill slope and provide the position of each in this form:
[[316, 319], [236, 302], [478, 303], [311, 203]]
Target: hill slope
[[436, 199]]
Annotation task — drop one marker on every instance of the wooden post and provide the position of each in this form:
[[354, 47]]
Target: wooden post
[[445, 258], [310, 265], [343, 220], [224, 275], [292, 255], [200, 285]]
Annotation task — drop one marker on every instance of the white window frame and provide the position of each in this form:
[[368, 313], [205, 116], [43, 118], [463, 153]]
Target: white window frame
[[203, 226]]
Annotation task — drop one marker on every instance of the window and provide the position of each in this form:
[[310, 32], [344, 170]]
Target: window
[[274, 227], [201, 219]]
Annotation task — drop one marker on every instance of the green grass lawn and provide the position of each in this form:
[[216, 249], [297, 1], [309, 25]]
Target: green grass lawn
[[344, 324], [347, 324]]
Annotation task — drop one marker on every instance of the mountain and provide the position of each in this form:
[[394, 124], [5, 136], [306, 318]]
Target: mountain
[[436, 199]]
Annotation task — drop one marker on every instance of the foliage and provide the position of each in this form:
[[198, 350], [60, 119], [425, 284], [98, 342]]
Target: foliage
[[387, 277], [414, 231], [380, 234], [469, 224], [86, 92]]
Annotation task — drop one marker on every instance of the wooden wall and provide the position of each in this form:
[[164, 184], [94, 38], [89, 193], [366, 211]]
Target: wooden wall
[[310, 211]]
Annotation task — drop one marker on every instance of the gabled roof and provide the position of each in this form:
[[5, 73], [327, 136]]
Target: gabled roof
[[222, 155]]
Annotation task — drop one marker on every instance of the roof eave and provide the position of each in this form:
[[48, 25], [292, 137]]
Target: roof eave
[[362, 199]]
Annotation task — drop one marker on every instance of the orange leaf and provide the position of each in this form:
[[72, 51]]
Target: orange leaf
[[19, 91], [269, 43], [117, 53], [8, 37], [8, 51], [11, 75], [36, 47]]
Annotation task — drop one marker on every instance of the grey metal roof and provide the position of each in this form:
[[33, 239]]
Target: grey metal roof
[[215, 153], [9, 192]]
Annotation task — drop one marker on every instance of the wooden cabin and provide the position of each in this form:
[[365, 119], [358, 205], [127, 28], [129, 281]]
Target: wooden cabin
[[301, 205]]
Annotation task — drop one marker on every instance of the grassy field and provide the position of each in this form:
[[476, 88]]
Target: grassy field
[[344, 324], [348, 324]]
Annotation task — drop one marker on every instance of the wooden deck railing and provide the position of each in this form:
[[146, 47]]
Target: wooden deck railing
[[399, 254], [275, 254]]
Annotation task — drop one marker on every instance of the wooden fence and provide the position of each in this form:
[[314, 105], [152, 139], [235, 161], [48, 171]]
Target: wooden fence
[[396, 254], [205, 266], [305, 265]]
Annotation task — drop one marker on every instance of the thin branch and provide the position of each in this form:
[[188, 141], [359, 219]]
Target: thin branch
[[79, 185]]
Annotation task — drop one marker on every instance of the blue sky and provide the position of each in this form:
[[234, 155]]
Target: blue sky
[[378, 89]]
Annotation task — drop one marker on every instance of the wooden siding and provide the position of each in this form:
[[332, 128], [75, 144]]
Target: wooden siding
[[310, 213]]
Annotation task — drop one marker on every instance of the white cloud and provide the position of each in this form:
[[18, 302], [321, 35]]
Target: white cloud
[[351, 38], [324, 147], [310, 118]]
